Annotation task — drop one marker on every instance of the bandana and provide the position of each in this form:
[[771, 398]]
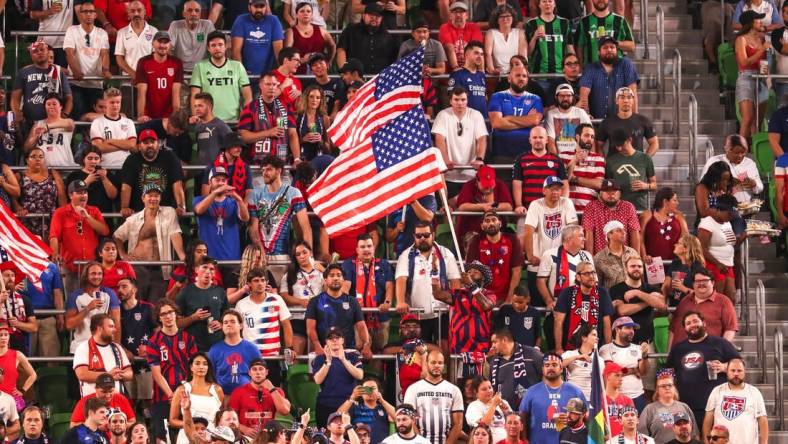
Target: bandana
[[407, 411], [550, 358], [666, 373]]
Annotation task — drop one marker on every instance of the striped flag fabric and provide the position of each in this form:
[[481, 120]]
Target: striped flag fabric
[[598, 421], [27, 251], [387, 159]]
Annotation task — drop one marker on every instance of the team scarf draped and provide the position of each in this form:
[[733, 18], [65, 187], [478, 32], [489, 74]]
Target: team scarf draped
[[519, 373], [576, 311], [263, 123], [366, 291], [639, 439], [444, 279], [96, 361], [562, 272], [238, 179]]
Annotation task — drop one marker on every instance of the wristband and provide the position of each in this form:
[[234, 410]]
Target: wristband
[[348, 427], [479, 158]]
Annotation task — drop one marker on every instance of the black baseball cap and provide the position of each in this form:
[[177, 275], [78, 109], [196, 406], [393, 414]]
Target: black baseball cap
[[352, 65], [316, 57]]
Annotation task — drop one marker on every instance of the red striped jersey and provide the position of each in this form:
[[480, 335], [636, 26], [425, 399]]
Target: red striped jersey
[[592, 168], [470, 327], [171, 354], [532, 171], [262, 322]]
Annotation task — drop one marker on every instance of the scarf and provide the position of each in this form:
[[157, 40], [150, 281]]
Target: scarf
[[579, 315], [266, 120], [238, 180], [366, 291], [562, 272], [13, 307], [96, 362], [519, 373], [303, 128], [42, 439], [472, 364], [639, 439], [444, 279]]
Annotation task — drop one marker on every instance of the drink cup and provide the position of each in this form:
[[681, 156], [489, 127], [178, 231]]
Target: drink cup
[[712, 372]]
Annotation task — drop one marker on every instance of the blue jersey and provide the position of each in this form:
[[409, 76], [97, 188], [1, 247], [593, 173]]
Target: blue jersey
[[50, 281], [512, 143], [376, 418], [218, 228], [525, 326], [83, 435], [257, 54], [339, 383], [342, 312], [541, 403], [231, 363], [138, 325], [476, 84]]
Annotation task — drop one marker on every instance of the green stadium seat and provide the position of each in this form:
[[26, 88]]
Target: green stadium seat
[[52, 388], [58, 425], [762, 155], [301, 389], [729, 70]]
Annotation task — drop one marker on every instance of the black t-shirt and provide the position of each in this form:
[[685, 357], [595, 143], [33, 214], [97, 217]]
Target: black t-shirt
[[569, 436], [138, 324], [232, 9], [638, 125], [688, 360], [563, 305], [644, 317], [97, 195], [180, 145], [164, 170], [376, 50], [333, 90], [682, 271]]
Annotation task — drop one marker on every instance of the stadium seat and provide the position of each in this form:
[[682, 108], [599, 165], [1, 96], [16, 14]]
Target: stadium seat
[[729, 70], [763, 155], [301, 389], [52, 387], [59, 425]]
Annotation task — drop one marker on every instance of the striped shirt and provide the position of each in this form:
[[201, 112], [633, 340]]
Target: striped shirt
[[781, 172], [171, 354], [592, 168], [262, 322], [591, 28], [532, 170], [470, 326], [549, 51], [435, 404]]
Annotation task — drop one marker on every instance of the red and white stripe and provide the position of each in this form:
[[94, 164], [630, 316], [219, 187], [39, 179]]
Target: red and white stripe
[[26, 250]]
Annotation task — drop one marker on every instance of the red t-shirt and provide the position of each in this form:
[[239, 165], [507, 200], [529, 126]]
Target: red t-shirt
[[408, 374], [120, 270], [469, 193], [118, 401], [294, 86], [159, 77], [613, 405], [115, 10], [77, 240], [253, 410], [345, 244], [459, 37]]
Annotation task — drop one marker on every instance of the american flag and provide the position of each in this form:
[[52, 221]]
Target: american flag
[[26, 250], [387, 158]]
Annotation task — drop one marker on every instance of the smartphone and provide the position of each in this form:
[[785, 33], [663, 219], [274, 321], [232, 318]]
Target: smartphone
[[179, 278], [97, 295], [207, 308]]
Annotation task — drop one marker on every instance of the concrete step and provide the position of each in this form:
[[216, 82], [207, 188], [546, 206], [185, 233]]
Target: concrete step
[[653, 97], [689, 82], [660, 112], [688, 52], [664, 125]]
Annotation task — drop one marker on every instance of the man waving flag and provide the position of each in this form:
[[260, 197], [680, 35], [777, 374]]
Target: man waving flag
[[387, 158]]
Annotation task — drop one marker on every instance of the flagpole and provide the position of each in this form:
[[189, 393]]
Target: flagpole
[[451, 228]]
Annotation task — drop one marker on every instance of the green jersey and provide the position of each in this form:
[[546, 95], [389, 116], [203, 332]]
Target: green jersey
[[224, 84], [591, 28], [549, 52]]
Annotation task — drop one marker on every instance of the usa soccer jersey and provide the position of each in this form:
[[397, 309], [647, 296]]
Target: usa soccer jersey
[[262, 322], [171, 354], [159, 77]]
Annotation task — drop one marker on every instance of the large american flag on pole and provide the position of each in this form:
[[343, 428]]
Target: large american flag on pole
[[26, 250], [387, 159]]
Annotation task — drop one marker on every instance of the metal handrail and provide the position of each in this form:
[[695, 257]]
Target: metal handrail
[[644, 28], [778, 378], [760, 337], [745, 302], [693, 138], [676, 93], [660, 51]]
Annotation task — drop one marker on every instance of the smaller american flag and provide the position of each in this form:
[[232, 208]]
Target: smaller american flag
[[387, 158], [28, 252]]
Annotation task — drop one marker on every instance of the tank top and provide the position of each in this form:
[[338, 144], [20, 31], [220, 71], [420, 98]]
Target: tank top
[[203, 406], [750, 51], [307, 45], [8, 363], [661, 237], [38, 197], [504, 48]]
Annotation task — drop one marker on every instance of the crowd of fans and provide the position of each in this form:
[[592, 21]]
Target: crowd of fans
[[197, 332]]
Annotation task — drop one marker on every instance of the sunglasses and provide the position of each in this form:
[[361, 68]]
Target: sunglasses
[[87, 40], [459, 128], [714, 438], [79, 227], [422, 235]]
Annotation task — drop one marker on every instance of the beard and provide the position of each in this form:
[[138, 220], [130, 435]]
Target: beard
[[736, 381], [701, 332], [585, 145], [609, 59], [564, 104], [517, 88], [635, 276], [404, 430], [492, 230], [424, 247], [258, 15], [610, 204]]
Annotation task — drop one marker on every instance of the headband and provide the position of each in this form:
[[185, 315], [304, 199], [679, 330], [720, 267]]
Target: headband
[[407, 411]]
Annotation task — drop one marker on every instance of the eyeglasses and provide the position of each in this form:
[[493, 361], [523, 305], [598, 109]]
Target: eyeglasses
[[79, 227], [714, 438], [571, 63], [702, 281], [166, 313], [87, 40], [459, 128], [665, 386], [422, 235], [587, 273]]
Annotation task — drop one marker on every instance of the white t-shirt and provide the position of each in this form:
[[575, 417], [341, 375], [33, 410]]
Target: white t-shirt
[[435, 404], [306, 286], [627, 357], [396, 439], [8, 411], [722, 239], [120, 129], [421, 290], [738, 410], [547, 265], [82, 332], [461, 148], [88, 56], [56, 145], [548, 223], [261, 322], [561, 126], [579, 372], [111, 355], [132, 46], [58, 22], [476, 411], [648, 440], [744, 170]]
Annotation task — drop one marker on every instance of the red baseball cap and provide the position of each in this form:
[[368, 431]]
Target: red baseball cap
[[612, 367], [148, 134], [486, 176]]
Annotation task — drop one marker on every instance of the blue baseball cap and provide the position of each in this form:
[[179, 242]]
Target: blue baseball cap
[[552, 180]]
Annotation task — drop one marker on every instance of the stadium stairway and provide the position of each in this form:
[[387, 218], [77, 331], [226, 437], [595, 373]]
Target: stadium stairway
[[672, 169]]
